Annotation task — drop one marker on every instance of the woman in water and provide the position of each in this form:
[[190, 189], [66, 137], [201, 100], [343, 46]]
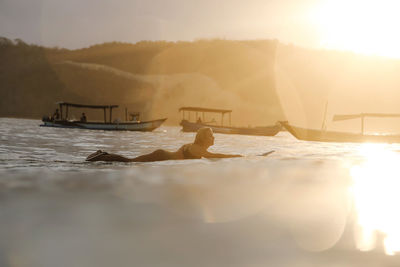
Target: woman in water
[[204, 139]]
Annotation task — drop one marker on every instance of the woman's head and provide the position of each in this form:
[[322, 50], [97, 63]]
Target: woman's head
[[204, 137]]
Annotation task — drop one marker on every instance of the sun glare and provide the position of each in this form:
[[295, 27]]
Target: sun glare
[[368, 27], [375, 190]]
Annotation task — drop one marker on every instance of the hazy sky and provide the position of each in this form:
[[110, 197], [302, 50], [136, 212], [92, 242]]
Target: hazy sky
[[366, 26], [80, 23]]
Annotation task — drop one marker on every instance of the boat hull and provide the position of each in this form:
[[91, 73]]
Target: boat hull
[[342, 137], [261, 131], [124, 126]]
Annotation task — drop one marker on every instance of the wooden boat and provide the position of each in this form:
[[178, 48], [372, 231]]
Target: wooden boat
[[331, 136], [64, 122], [188, 126]]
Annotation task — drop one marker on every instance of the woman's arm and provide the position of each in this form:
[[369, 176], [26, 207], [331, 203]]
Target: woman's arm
[[220, 155], [202, 152]]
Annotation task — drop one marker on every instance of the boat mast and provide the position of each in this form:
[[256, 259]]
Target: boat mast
[[362, 123], [323, 127], [61, 115]]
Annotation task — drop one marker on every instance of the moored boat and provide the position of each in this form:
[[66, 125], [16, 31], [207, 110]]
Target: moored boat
[[188, 126], [333, 136], [64, 122]]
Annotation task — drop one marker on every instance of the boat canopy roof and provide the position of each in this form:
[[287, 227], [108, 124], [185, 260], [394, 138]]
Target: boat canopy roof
[[198, 109], [362, 115], [86, 106]]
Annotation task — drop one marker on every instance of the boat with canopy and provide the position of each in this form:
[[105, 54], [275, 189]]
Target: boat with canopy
[[331, 136], [219, 127], [64, 122]]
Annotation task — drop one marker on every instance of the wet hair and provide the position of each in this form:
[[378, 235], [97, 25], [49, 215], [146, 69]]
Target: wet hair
[[201, 134]]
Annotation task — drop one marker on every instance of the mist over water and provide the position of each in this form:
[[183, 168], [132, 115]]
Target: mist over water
[[295, 207]]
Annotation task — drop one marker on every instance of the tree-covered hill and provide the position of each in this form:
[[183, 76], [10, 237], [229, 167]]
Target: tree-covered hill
[[155, 78]]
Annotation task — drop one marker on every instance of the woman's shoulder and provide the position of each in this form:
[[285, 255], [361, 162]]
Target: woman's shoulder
[[192, 147], [192, 151], [185, 146]]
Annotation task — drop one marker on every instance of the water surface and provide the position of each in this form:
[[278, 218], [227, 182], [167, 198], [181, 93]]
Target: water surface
[[307, 204]]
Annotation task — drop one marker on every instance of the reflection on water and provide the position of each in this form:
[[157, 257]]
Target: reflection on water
[[375, 189]]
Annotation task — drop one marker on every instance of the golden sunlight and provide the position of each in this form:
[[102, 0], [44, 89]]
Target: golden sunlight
[[368, 27], [375, 190]]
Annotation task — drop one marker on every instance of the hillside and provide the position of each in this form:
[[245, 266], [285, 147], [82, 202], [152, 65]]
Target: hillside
[[155, 78]]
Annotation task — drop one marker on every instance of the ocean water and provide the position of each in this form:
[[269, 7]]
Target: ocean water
[[306, 204]]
